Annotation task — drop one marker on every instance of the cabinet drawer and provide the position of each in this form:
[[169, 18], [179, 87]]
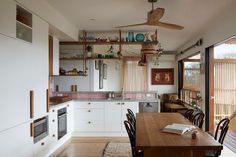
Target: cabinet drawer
[[89, 126], [89, 105], [42, 147], [89, 114]]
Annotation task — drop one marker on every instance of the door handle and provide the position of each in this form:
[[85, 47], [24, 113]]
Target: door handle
[[31, 104]]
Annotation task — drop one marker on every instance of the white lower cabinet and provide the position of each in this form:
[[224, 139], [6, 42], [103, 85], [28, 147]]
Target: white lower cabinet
[[113, 116], [134, 106], [16, 142], [42, 147], [89, 116]]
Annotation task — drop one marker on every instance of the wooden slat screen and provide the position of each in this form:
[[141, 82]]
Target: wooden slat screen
[[224, 89]]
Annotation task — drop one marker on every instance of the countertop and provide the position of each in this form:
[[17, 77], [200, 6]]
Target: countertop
[[58, 100]]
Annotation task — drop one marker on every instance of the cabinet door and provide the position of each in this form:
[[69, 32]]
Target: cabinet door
[[134, 106], [112, 116], [39, 70], [8, 18], [17, 142], [70, 117]]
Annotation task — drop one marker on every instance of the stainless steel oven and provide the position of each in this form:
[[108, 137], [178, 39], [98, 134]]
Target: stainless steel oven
[[62, 122], [40, 128]]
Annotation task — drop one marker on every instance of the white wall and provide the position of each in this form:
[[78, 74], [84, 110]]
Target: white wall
[[165, 61], [52, 16]]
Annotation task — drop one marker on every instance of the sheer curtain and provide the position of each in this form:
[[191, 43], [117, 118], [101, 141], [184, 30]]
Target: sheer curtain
[[135, 77]]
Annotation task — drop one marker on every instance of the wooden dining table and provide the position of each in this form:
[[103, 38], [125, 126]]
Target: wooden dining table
[[151, 139]]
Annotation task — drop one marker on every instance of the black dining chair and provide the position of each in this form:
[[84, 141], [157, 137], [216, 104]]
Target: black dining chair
[[220, 133], [131, 134], [131, 114], [132, 122], [189, 114], [198, 119]]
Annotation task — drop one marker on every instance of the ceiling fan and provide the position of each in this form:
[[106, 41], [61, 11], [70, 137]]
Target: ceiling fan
[[153, 19]]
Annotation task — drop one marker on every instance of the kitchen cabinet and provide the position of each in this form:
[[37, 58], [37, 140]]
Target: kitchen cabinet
[[17, 142], [113, 116], [89, 116], [8, 18], [134, 106], [70, 117], [42, 148]]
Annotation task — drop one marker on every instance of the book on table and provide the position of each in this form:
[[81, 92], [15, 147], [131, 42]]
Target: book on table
[[177, 128]]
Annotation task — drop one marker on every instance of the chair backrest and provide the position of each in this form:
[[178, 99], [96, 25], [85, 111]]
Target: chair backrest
[[198, 119], [223, 126], [189, 114], [132, 122], [131, 113], [131, 135]]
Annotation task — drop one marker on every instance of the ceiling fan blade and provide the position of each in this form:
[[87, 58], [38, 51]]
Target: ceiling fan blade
[[133, 25], [170, 26]]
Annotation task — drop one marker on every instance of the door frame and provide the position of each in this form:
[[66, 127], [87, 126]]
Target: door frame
[[209, 88]]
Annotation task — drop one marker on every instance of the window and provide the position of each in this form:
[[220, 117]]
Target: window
[[191, 75], [135, 77]]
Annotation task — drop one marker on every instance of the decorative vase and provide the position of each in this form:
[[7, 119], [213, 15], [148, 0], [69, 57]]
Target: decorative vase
[[131, 36]]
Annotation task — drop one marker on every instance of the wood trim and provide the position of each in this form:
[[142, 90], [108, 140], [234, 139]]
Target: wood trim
[[47, 100], [224, 60], [50, 54], [32, 129], [211, 88], [31, 104]]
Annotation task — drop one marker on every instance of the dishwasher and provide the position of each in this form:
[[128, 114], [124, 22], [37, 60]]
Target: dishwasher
[[149, 107]]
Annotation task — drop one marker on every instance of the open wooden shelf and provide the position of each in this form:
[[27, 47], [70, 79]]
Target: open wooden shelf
[[72, 75], [91, 58], [105, 43]]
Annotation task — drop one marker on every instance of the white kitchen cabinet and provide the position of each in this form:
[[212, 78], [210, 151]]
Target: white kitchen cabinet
[[134, 106], [42, 147], [8, 18], [55, 56], [89, 116], [16, 142], [39, 70], [70, 117], [113, 116]]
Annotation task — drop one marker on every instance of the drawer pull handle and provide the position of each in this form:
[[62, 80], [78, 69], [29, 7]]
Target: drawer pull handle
[[89, 110], [53, 110], [89, 103], [42, 144], [122, 103], [89, 122], [118, 103], [68, 105], [53, 135], [53, 120]]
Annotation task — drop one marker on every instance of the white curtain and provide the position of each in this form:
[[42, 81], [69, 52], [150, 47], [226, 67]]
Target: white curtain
[[135, 77]]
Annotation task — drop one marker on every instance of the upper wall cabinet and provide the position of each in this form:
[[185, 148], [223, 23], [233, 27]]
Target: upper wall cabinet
[[23, 24], [8, 18]]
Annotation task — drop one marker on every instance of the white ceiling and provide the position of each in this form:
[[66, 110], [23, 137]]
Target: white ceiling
[[194, 15]]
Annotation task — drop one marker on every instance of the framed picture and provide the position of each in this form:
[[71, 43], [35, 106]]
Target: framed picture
[[97, 64], [163, 76], [104, 71]]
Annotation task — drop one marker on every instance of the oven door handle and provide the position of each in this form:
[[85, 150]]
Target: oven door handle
[[62, 115]]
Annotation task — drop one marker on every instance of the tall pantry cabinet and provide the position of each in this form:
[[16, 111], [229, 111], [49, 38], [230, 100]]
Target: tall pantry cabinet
[[23, 67]]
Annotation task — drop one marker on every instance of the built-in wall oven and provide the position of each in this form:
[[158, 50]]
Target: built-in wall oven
[[39, 128], [62, 122]]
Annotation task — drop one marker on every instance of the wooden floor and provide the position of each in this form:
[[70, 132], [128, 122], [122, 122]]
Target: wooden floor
[[94, 146], [87, 147]]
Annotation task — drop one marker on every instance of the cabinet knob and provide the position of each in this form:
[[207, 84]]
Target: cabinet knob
[[42, 144], [68, 105], [53, 135], [89, 122], [89, 110], [118, 103], [122, 103], [53, 110], [53, 120], [89, 103]]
